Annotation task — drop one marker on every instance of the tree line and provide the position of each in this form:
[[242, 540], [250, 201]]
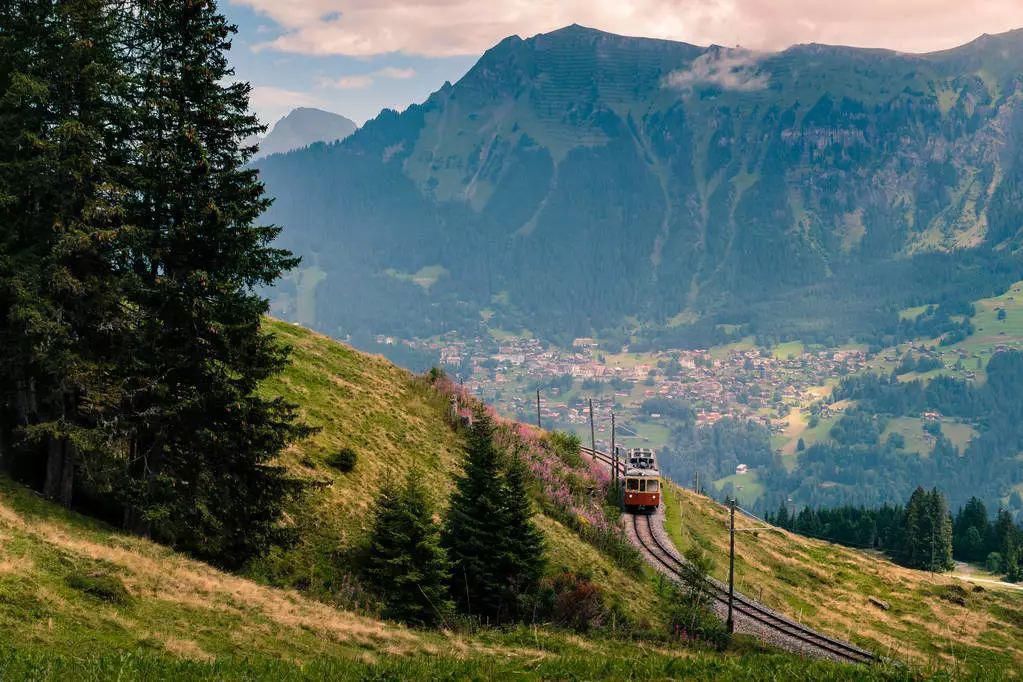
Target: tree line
[[130, 260], [922, 534]]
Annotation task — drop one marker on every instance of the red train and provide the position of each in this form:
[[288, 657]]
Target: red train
[[642, 480]]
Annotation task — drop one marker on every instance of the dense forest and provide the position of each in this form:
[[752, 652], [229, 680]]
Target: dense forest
[[130, 257], [855, 466], [922, 534]]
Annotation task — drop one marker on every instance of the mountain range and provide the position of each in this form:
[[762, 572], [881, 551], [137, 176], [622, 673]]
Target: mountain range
[[582, 182], [302, 127]]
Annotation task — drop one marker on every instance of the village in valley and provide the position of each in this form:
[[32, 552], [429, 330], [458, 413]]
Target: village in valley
[[644, 389]]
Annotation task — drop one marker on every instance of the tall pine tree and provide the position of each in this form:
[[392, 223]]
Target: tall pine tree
[[520, 556], [941, 525], [473, 529], [200, 471], [407, 564], [62, 323], [496, 552], [927, 533]]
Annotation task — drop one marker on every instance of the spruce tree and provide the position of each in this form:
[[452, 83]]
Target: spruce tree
[[473, 531], [915, 547], [941, 525], [200, 470], [520, 557], [407, 564], [971, 530], [496, 551], [62, 323]]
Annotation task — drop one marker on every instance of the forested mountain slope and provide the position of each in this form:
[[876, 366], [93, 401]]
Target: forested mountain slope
[[577, 178]]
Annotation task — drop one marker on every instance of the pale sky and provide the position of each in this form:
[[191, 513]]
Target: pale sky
[[358, 56]]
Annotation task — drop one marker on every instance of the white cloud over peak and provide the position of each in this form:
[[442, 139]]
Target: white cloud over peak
[[465, 27], [728, 69]]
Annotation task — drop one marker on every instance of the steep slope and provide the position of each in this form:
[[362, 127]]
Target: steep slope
[[301, 128], [80, 598], [931, 620], [577, 178], [395, 422]]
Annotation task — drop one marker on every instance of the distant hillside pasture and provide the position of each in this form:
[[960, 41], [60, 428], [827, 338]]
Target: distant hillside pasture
[[933, 621]]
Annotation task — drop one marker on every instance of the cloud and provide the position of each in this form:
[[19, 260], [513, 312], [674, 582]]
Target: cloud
[[272, 103], [465, 27], [396, 73], [360, 81], [728, 69], [349, 82]]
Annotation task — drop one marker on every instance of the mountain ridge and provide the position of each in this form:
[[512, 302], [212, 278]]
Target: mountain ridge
[[709, 175]]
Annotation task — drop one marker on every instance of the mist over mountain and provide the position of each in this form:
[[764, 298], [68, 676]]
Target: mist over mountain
[[580, 181], [302, 127]]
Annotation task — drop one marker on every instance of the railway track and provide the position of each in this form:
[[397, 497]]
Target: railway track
[[753, 616]]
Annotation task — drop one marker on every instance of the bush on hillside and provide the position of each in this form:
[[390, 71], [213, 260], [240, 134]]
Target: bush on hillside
[[689, 604], [571, 600], [344, 460], [102, 586]]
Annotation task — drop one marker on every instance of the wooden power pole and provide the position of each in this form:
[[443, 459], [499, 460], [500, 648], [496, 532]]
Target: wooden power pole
[[731, 566], [593, 435], [614, 453], [538, 425]]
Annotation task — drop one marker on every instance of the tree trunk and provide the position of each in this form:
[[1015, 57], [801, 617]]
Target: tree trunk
[[5, 443], [54, 468], [132, 520], [67, 477]]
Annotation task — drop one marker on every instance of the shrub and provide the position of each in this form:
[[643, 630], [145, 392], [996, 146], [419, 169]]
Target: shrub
[[572, 601], [344, 460], [566, 447], [689, 604], [102, 586]]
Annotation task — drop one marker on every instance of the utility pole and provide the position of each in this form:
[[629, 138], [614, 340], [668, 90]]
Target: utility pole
[[696, 485], [538, 425], [593, 437], [731, 566], [614, 452]]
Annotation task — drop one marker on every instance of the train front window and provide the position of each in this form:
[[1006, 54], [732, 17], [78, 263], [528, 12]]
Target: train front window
[[651, 486], [631, 484]]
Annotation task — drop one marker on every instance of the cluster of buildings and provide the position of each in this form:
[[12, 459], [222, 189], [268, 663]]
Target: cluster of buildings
[[746, 382]]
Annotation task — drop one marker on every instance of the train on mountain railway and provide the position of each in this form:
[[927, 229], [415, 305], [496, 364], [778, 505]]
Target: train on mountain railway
[[642, 480]]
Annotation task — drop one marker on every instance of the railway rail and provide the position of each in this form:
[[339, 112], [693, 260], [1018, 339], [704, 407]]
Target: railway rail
[[755, 617]]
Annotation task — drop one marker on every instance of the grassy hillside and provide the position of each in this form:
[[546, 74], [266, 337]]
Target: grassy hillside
[[933, 620], [79, 598], [395, 422]]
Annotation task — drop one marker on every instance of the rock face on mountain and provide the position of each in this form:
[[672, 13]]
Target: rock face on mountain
[[581, 181], [302, 127]]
